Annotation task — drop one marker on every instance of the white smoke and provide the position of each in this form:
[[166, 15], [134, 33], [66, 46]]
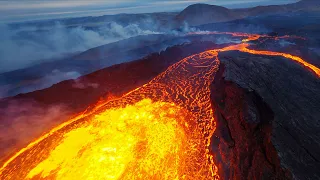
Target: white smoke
[[25, 46]]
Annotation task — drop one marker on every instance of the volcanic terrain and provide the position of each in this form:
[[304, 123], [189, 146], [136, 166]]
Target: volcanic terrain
[[235, 96], [128, 129]]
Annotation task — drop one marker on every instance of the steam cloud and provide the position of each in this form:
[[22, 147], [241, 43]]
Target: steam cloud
[[29, 44], [24, 46], [23, 121]]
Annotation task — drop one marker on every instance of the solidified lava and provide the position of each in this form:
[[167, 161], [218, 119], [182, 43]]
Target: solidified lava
[[161, 130]]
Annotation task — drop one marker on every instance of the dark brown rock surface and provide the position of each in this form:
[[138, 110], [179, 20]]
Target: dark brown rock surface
[[268, 118]]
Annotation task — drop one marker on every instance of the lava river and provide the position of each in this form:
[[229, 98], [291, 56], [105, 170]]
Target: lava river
[[161, 130]]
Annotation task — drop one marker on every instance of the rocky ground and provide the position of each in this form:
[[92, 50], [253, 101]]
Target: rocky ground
[[267, 112]]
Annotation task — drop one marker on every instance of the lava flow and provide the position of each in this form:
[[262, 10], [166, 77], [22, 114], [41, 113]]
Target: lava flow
[[161, 130]]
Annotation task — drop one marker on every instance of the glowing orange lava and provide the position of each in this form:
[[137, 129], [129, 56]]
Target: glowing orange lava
[[244, 48], [146, 140], [161, 130]]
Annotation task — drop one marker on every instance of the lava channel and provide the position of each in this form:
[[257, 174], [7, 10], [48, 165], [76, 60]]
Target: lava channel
[[161, 130]]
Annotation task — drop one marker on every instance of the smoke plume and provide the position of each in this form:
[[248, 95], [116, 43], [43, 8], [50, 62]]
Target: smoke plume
[[23, 121], [24, 46]]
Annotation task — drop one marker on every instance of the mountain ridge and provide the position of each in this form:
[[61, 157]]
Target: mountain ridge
[[198, 14]]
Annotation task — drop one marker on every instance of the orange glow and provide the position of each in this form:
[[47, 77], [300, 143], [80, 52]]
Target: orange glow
[[147, 139], [244, 48], [161, 130]]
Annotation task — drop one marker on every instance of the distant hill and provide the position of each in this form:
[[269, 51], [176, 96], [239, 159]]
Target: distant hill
[[199, 14], [308, 3], [196, 14]]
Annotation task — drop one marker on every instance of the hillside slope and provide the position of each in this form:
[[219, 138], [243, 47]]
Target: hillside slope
[[199, 14]]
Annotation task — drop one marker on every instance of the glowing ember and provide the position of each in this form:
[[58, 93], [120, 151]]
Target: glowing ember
[[161, 130]]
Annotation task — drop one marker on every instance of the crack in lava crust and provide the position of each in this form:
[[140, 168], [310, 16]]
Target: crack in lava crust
[[161, 130]]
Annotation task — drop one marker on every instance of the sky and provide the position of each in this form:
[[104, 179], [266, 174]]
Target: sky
[[29, 10]]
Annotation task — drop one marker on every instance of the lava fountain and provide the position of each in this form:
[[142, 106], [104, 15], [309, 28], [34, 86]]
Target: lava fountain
[[161, 130]]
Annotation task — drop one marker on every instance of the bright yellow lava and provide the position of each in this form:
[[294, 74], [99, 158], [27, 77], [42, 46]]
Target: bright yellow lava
[[142, 141]]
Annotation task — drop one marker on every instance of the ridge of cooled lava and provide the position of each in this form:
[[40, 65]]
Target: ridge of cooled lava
[[161, 130]]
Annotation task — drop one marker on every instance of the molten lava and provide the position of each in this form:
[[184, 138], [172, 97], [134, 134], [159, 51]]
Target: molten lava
[[146, 140], [244, 48], [161, 130]]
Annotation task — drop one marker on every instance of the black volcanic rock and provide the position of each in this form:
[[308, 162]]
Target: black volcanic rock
[[241, 144], [267, 113]]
